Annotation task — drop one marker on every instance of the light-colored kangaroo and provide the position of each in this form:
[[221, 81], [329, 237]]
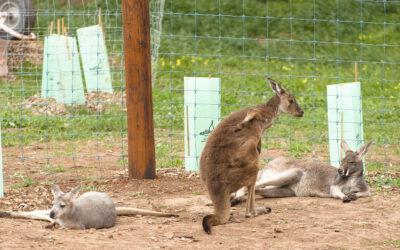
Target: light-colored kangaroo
[[230, 159], [285, 177], [90, 210]]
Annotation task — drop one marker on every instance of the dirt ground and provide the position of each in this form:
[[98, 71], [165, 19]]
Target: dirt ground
[[294, 223]]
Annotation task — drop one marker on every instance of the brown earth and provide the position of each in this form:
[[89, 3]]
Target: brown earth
[[294, 223]]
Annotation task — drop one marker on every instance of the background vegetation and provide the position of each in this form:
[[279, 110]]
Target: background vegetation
[[304, 44]]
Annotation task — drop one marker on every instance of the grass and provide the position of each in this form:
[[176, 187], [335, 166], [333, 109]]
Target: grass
[[55, 169], [392, 243], [383, 181], [240, 46], [87, 188], [25, 181], [375, 167]]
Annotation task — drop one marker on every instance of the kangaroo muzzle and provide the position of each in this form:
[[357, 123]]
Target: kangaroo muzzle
[[300, 113]]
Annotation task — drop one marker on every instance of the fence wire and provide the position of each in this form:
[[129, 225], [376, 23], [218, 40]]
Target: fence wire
[[304, 44]]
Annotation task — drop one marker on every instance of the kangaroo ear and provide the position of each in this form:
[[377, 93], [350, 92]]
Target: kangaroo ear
[[74, 193], [252, 114], [345, 147], [363, 150], [276, 87], [56, 191]]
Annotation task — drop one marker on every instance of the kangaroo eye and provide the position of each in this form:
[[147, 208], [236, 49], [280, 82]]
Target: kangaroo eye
[[291, 101], [62, 205]]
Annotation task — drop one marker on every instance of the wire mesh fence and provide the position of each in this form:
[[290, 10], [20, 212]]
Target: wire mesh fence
[[304, 44]]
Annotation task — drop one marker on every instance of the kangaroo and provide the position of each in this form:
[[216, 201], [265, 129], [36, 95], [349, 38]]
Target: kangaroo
[[90, 210], [230, 158], [285, 177]]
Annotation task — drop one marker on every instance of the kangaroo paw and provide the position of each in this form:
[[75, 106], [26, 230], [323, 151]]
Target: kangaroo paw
[[51, 226], [263, 210], [352, 196], [235, 220], [258, 211], [236, 201], [346, 199]]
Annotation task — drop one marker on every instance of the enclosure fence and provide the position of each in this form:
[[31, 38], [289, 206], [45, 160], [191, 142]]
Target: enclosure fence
[[306, 45]]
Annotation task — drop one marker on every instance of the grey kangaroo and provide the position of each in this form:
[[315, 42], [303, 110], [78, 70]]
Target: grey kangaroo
[[90, 210], [285, 177], [230, 159]]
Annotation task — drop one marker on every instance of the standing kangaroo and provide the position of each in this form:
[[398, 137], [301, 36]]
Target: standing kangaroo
[[230, 159], [285, 177], [90, 210]]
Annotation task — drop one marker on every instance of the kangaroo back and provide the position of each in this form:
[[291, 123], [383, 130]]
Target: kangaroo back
[[94, 210]]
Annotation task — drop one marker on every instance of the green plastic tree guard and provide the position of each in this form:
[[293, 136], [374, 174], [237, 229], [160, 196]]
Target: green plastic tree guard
[[202, 100], [344, 118], [62, 77], [94, 57]]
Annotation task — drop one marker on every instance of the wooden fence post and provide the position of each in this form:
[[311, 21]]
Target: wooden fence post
[[141, 152]]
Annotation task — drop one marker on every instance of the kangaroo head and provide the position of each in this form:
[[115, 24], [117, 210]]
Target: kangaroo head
[[352, 164], [288, 103], [63, 202]]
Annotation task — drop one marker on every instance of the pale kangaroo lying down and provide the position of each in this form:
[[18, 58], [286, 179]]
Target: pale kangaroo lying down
[[286, 177], [90, 210]]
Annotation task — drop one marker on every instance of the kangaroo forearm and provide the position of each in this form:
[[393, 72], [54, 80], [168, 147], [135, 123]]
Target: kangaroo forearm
[[316, 193], [363, 194], [336, 192]]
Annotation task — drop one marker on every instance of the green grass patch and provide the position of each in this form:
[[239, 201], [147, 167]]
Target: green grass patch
[[375, 167], [51, 169], [24, 181], [384, 181], [87, 188], [392, 243]]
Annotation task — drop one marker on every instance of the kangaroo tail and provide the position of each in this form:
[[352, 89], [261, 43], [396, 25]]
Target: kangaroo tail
[[4, 214], [137, 211], [209, 221], [33, 215]]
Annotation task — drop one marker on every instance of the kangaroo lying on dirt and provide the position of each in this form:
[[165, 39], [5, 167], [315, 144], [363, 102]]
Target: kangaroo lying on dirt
[[90, 210], [230, 159], [285, 177]]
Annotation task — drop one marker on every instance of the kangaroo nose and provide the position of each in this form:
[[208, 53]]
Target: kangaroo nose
[[300, 113], [52, 214]]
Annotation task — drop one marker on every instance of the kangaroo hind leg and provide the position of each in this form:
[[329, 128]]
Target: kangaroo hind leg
[[221, 214], [251, 210], [275, 192], [238, 197], [282, 179]]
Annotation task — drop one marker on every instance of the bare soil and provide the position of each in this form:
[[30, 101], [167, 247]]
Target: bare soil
[[294, 223]]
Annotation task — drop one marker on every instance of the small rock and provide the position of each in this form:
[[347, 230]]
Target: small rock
[[277, 230]]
